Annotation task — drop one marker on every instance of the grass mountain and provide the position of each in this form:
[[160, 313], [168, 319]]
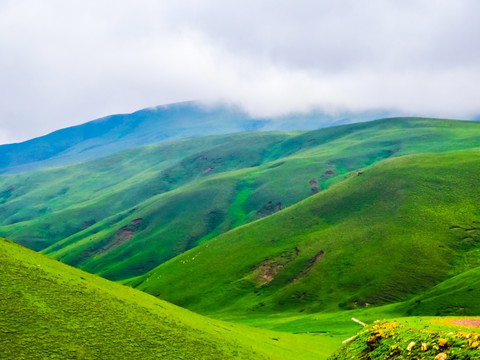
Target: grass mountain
[[293, 233], [122, 215], [404, 227], [51, 310], [114, 133], [108, 135]]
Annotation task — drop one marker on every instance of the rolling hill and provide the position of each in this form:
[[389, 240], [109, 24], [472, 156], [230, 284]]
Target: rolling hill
[[388, 234], [50, 310], [108, 135], [294, 232], [122, 215], [114, 133]]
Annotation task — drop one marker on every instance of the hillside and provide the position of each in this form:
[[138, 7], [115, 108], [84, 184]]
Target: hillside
[[50, 310], [40, 208], [457, 295], [114, 133], [401, 227], [414, 338], [122, 215], [108, 135]]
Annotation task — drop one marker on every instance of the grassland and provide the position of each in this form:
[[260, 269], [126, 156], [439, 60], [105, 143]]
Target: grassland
[[286, 236], [123, 215], [395, 231], [50, 310], [412, 338]]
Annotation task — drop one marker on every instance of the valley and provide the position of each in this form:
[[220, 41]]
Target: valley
[[274, 239]]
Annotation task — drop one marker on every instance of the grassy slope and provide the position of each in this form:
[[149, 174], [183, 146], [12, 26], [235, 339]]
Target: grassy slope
[[50, 310], [412, 338], [111, 134], [81, 195], [383, 236], [87, 214], [114, 133], [455, 296]]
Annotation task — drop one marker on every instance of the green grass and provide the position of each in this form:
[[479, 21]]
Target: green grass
[[50, 310], [399, 238], [455, 296], [412, 338], [381, 237], [77, 213]]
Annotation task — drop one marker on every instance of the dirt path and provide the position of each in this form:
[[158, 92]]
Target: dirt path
[[467, 322]]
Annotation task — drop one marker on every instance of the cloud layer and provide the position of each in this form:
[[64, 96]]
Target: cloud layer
[[64, 63]]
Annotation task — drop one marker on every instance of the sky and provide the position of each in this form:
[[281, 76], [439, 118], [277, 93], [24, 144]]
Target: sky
[[64, 63]]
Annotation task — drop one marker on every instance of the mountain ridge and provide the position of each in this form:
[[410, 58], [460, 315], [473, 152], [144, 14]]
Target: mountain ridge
[[167, 198], [273, 265], [294, 231], [110, 134]]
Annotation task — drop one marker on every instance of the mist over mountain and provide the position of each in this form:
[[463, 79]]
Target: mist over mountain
[[114, 133]]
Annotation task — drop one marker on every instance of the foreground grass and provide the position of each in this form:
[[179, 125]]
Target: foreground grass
[[412, 338], [387, 335], [50, 310]]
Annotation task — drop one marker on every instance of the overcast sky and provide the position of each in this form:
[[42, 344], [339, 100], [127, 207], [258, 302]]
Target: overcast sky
[[67, 62]]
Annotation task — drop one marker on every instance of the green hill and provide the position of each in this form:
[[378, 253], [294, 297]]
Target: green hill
[[50, 310], [111, 134], [294, 232], [457, 295], [123, 215], [114, 133], [401, 227], [39, 208], [417, 338]]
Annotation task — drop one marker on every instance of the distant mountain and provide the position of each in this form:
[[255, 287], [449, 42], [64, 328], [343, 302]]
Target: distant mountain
[[124, 214], [111, 134], [273, 227]]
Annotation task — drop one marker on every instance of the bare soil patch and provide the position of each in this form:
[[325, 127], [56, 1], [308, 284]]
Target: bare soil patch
[[467, 322]]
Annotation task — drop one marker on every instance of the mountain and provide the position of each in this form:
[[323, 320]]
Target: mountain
[[50, 310], [295, 232], [114, 133], [122, 215], [385, 235]]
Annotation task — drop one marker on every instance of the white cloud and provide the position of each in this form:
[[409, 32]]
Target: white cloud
[[4, 136], [65, 63]]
